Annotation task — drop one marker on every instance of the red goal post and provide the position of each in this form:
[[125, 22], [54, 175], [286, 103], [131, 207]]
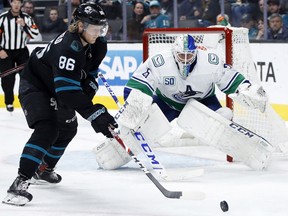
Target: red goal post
[[235, 47]]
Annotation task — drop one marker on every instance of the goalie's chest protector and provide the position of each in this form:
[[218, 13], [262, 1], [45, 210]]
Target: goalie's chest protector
[[199, 84]]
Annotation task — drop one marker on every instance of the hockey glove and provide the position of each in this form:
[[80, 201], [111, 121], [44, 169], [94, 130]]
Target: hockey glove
[[252, 96], [101, 120], [89, 86]]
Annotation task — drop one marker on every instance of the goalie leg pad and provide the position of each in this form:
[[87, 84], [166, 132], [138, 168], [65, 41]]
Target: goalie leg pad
[[133, 110], [227, 136], [149, 125], [225, 112], [111, 155]]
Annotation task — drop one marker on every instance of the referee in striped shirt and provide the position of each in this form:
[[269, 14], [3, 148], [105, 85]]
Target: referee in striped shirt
[[16, 28]]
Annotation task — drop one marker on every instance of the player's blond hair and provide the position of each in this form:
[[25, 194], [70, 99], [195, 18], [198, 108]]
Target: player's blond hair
[[73, 27]]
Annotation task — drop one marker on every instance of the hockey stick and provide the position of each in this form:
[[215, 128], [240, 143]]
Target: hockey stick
[[156, 165], [12, 70], [192, 195], [188, 174]]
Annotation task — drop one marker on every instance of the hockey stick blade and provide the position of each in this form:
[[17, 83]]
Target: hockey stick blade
[[164, 191], [187, 195], [193, 195]]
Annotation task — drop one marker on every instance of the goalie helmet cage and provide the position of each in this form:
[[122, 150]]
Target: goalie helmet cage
[[235, 49]]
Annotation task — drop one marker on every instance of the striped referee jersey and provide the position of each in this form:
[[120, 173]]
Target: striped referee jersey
[[12, 35]]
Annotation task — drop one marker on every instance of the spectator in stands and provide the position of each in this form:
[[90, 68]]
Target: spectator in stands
[[167, 8], [248, 22], [260, 29], [53, 26], [277, 31], [211, 9], [261, 6], [273, 7], [63, 9], [190, 9], [284, 6], [155, 19], [242, 7], [28, 7], [112, 8], [135, 28], [1, 6], [223, 20]]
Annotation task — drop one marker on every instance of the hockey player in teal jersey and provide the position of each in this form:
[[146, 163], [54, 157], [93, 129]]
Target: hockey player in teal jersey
[[58, 81]]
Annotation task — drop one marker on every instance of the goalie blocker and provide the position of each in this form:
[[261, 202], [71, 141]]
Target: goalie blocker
[[225, 135]]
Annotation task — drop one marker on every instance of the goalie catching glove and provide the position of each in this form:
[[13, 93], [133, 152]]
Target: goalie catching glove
[[101, 120], [252, 96]]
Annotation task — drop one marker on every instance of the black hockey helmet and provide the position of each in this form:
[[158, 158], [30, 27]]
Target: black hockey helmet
[[91, 13]]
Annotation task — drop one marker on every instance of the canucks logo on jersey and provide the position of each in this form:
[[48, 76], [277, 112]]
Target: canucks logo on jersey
[[185, 96], [158, 60]]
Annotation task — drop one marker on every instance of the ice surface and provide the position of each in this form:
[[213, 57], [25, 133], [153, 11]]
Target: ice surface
[[86, 190]]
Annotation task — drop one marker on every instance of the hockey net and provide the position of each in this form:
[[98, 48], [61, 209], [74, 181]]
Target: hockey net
[[234, 45]]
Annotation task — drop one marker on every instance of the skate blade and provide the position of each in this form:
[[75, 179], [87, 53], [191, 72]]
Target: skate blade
[[16, 200], [34, 181]]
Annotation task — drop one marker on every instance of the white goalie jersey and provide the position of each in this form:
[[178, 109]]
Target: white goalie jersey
[[160, 74]]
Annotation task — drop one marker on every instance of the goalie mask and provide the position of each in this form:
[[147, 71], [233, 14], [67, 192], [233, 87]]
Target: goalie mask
[[184, 51], [91, 13]]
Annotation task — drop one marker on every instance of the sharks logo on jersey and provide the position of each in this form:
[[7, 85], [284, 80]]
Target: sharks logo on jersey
[[185, 96], [76, 46]]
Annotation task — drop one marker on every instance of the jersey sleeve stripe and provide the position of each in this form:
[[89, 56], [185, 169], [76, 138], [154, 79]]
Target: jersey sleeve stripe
[[67, 80], [67, 88], [143, 83]]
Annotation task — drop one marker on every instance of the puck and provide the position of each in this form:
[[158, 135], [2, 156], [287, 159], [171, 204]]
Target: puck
[[224, 206]]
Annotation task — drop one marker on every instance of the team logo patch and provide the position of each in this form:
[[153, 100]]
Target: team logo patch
[[76, 46], [88, 10], [169, 80], [158, 60], [189, 93], [213, 59]]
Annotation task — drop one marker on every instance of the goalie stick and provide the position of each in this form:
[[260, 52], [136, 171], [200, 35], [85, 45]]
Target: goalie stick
[[193, 195], [12, 70], [160, 169]]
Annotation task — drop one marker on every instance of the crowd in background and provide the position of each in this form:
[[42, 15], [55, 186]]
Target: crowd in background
[[142, 14]]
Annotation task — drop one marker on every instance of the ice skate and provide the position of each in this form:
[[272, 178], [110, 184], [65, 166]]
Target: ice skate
[[47, 174], [17, 193]]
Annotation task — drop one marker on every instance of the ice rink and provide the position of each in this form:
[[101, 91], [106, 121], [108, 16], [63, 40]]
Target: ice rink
[[87, 190]]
